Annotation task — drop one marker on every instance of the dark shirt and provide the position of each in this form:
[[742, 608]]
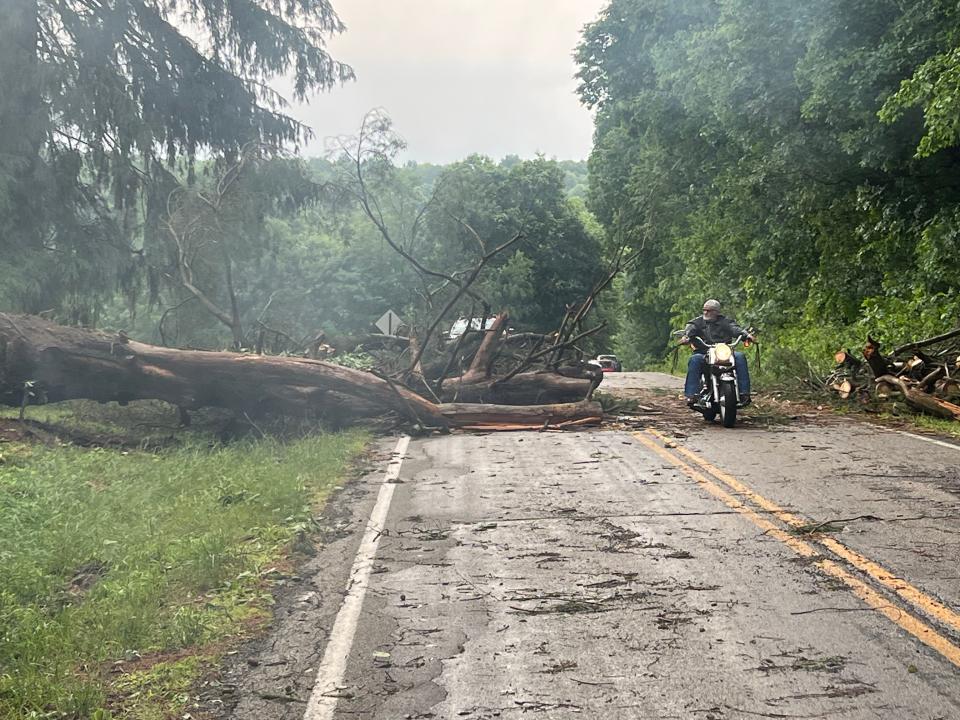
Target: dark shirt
[[721, 329]]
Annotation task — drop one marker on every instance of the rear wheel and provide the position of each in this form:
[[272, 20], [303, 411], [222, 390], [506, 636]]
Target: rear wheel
[[728, 405]]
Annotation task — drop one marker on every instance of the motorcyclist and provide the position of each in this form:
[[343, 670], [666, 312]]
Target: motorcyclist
[[712, 327]]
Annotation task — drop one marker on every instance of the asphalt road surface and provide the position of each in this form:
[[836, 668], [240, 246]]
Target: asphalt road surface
[[804, 570]]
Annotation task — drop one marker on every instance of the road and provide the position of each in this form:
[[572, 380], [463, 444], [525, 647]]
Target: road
[[799, 570]]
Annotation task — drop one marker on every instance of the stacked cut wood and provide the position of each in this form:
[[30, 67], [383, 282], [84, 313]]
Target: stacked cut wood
[[925, 374]]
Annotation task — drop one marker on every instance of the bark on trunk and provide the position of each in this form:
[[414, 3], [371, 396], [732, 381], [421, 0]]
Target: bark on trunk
[[58, 363], [879, 365], [70, 363], [483, 360], [532, 388], [470, 415]]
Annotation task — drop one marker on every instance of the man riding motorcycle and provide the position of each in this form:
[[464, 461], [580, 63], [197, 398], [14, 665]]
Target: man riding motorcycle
[[712, 327]]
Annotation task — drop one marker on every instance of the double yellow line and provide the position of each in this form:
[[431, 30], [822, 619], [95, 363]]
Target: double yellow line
[[747, 501]]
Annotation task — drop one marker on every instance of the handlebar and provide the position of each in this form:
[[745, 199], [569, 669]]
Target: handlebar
[[705, 345]]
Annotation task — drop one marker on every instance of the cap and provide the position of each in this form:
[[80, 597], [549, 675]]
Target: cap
[[711, 305]]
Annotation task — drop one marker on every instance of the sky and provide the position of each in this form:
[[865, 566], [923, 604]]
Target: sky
[[460, 76]]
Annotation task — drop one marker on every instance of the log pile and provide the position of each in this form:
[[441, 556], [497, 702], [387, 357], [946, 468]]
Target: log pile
[[925, 374]]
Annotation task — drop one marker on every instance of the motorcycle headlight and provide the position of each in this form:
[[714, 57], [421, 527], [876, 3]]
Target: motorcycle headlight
[[723, 353]]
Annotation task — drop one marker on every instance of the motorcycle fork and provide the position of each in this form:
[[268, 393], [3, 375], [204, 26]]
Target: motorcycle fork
[[712, 385], [729, 376]]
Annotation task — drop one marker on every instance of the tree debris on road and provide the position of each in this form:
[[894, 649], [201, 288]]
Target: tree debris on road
[[925, 374]]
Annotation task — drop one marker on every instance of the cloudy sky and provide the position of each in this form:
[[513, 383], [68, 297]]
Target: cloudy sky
[[461, 76]]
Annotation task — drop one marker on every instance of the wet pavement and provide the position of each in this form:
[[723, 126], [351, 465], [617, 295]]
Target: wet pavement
[[804, 570]]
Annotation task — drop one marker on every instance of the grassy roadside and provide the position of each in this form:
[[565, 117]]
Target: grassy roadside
[[123, 574]]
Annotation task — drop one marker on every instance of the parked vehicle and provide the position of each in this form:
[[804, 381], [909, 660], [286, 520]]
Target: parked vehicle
[[609, 363], [460, 326], [719, 393]]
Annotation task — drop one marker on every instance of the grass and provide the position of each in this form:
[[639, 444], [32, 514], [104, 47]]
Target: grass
[[139, 422], [112, 562]]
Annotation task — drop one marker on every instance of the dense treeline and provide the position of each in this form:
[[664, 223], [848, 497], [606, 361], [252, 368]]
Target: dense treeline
[[797, 160], [269, 251], [322, 265]]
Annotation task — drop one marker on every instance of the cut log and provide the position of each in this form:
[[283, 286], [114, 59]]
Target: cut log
[[920, 400], [846, 389], [847, 359], [879, 365], [911, 366]]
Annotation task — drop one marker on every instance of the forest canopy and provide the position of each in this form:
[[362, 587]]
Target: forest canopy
[[797, 160]]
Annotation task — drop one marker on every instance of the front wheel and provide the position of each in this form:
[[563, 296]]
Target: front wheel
[[728, 405]]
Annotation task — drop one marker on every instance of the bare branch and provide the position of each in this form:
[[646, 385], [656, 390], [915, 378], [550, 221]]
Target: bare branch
[[163, 337], [463, 290]]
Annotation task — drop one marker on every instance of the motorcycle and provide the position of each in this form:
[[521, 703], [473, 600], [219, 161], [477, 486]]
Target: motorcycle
[[719, 393]]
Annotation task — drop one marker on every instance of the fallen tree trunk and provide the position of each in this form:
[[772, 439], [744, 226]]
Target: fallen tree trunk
[[70, 363], [531, 388], [531, 416], [44, 362]]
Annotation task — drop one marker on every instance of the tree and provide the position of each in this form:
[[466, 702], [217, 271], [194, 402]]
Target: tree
[[216, 235], [934, 85], [100, 99], [557, 262]]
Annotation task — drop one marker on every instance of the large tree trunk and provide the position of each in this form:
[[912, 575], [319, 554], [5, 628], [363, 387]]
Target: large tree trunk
[[58, 363], [71, 363], [482, 362], [509, 417], [530, 388]]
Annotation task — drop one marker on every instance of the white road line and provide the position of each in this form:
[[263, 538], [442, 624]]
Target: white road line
[[941, 443], [323, 698]]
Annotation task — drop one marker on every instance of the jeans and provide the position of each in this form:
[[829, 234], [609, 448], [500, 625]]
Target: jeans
[[691, 387]]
